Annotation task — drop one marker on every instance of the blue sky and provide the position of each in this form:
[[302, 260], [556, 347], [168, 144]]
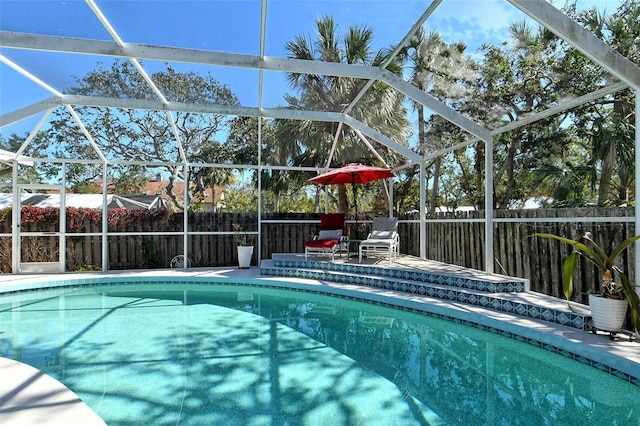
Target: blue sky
[[231, 26]]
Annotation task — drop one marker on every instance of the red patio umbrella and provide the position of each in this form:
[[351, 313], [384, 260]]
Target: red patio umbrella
[[353, 174]]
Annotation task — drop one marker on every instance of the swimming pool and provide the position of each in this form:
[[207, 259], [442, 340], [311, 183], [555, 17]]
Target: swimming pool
[[208, 354]]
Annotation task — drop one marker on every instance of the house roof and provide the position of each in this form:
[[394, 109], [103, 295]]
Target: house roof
[[90, 201], [158, 187]]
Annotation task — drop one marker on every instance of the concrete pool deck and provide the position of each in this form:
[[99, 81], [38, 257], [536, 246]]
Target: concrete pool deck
[[27, 396], [30, 397]]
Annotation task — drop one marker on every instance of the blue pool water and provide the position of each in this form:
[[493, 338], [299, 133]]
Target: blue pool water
[[213, 354]]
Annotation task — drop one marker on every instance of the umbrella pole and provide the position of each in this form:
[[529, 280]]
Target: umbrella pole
[[355, 207], [326, 200]]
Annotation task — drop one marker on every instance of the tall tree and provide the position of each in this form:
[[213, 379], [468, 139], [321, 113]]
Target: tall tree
[[444, 71], [381, 107], [215, 178], [609, 123], [243, 137], [141, 135], [518, 79]]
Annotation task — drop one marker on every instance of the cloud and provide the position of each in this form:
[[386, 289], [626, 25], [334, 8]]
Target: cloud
[[487, 21], [475, 22]]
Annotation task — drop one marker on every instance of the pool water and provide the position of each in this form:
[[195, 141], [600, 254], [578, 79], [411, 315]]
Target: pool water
[[212, 354]]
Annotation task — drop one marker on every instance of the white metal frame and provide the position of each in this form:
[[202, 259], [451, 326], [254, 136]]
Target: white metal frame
[[29, 267], [540, 10]]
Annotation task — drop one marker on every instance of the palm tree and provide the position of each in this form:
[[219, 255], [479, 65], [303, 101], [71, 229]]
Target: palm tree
[[564, 183], [381, 107], [442, 70], [613, 142], [612, 129], [214, 178]]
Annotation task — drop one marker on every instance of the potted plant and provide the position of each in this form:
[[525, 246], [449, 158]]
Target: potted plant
[[608, 308], [244, 244]]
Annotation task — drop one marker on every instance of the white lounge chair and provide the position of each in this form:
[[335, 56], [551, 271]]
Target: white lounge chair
[[383, 240]]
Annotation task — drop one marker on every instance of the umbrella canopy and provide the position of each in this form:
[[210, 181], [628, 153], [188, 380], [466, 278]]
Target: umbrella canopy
[[353, 174]]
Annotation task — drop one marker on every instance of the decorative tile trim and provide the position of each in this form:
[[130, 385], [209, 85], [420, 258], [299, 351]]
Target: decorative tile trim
[[506, 286], [439, 291], [552, 348]]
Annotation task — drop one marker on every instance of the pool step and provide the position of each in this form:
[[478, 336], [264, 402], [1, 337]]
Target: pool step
[[435, 285], [472, 280]]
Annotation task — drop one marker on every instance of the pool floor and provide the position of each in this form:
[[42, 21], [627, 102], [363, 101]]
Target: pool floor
[[169, 363], [261, 396], [171, 355]]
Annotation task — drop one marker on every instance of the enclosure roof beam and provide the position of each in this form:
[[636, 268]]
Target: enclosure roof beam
[[384, 140], [173, 54], [28, 75], [98, 101], [371, 148], [263, 38], [432, 7], [583, 40], [449, 149], [116, 37], [581, 100], [154, 105], [96, 47], [423, 18], [34, 132], [7, 157], [332, 151], [86, 133], [29, 111], [283, 113]]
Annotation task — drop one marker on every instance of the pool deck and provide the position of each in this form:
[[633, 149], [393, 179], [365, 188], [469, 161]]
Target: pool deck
[[28, 396]]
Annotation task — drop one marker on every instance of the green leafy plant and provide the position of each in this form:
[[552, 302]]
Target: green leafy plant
[[605, 259], [88, 267], [242, 237]]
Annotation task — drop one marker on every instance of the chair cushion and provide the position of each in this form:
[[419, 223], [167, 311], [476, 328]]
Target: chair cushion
[[387, 242], [321, 243], [382, 235], [330, 234], [385, 224], [332, 221]]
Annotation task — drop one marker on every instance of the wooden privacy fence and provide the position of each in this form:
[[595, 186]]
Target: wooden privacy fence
[[454, 238]]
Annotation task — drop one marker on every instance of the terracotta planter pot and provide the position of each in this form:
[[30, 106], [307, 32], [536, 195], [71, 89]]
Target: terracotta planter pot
[[607, 314], [244, 256]]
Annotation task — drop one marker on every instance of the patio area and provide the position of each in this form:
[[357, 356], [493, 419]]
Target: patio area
[[261, 99]]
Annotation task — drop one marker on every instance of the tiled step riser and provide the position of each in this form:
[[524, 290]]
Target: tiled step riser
[[425, 277], [487, 301]]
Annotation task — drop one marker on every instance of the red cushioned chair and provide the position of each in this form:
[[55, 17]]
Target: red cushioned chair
[[330, 237]]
